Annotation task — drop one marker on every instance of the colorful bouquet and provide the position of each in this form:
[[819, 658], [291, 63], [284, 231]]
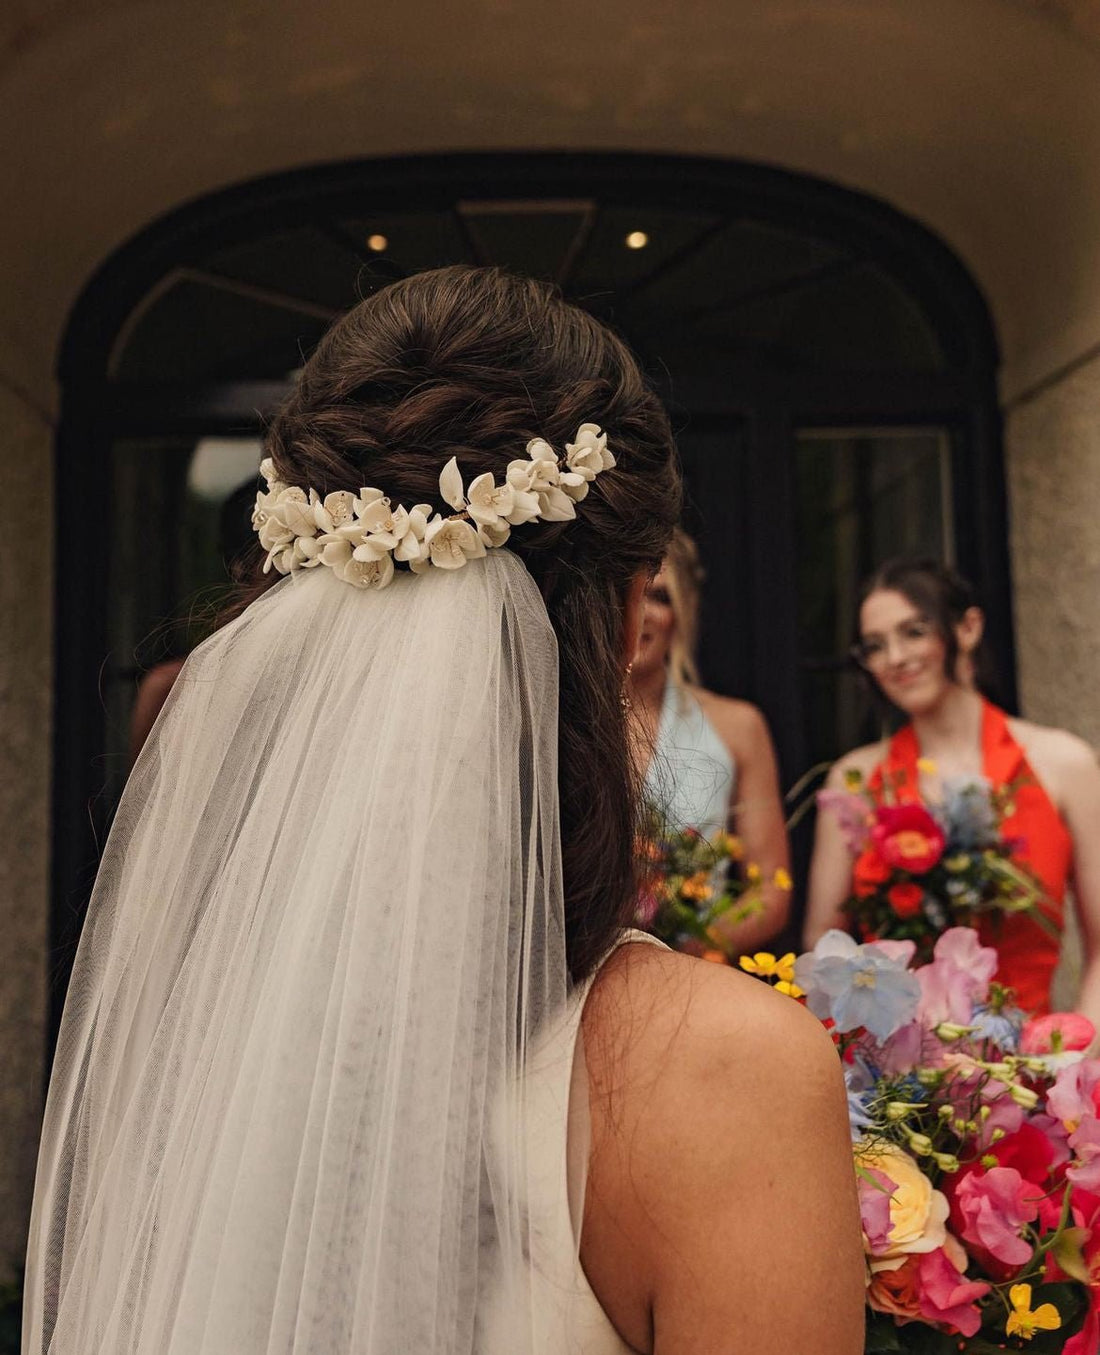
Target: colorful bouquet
[[976, 1141], [689, 884], [921, 869]]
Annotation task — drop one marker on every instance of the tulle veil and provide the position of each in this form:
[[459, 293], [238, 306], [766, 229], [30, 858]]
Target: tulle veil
[[287, 1109]]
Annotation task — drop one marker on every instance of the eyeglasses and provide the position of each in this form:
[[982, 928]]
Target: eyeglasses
[[873, 653]]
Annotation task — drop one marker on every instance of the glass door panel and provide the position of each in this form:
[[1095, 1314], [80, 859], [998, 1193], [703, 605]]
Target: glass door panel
[[862, 496]]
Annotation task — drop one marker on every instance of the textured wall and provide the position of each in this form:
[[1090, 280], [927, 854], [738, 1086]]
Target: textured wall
[[1053, 455], [1053, 463], [26, 605]]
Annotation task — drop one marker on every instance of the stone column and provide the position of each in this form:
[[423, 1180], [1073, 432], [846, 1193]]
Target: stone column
[[1052, 443]]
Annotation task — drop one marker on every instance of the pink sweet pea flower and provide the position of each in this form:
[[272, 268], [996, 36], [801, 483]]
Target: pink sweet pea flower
[[874, 1209], [946, 1295], [994, 1206], [906, 1048], [957, 978], [1085, 1142], [1004, 1114], [901, 952], [1076, 1093]]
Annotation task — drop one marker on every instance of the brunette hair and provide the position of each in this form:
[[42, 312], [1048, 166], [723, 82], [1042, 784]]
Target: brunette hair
[[944, 597], [473, 363], [685, 576]]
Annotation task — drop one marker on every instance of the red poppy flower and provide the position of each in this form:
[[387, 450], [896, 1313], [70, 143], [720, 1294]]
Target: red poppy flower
[[908, 838], [905, 898]]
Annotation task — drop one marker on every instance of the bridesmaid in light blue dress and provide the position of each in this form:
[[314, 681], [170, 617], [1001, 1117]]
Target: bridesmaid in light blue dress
[[710, 762]]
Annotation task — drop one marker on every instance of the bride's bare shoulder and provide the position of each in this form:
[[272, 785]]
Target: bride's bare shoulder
[[716, 1105], [647, 997]]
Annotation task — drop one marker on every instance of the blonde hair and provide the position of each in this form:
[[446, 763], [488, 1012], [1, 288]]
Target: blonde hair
[[684, 575]]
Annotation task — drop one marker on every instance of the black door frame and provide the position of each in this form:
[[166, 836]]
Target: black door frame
[[769, 406]]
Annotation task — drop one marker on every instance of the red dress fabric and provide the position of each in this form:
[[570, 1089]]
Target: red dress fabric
[[1028, 955]]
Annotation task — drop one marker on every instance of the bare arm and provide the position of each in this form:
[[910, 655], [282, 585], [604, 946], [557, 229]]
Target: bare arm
[[756, 816], [831, 865], [1080, 800], [722, 1213]]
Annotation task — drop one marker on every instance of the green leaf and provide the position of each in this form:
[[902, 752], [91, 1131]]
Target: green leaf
[[922, 1340], [1067, 1251], [882, 1336]]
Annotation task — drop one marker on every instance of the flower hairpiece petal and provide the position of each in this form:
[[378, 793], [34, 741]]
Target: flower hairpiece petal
[[450, 485]]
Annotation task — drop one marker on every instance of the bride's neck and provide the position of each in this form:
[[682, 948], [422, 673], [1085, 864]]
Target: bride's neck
[[952, 726]]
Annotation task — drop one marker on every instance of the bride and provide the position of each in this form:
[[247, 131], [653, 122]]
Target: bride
[[357, 1055]]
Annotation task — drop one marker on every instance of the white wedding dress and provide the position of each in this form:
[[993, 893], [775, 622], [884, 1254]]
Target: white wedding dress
[[311, 1090], [569, 1317]]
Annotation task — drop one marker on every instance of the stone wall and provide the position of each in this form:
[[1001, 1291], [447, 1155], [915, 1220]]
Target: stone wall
[[1052, 446], [26, 623], [1052, 443]]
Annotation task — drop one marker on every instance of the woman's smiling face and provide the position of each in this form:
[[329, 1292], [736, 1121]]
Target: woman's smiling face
[[658, 626], [903, 651]]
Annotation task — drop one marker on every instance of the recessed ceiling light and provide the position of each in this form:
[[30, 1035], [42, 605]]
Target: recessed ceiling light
[[378, 243], [637, 240]]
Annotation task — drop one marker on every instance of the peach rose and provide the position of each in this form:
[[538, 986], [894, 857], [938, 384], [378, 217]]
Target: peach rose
[[918, 1213]]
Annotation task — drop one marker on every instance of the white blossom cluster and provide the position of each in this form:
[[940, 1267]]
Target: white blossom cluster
[[359, 536]]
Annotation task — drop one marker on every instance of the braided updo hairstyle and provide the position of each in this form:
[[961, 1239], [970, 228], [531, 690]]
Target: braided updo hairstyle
[[473, 363]]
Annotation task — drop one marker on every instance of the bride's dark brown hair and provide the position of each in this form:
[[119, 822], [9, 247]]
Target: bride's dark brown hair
[[473, 363]]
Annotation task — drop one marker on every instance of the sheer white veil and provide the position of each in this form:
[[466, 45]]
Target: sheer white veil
[[327, 928]]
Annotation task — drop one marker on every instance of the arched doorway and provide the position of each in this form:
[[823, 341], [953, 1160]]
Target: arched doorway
[[829, 363]]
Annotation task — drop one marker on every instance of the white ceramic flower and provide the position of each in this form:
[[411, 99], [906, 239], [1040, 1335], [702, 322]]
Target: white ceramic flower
[[573, 484], [411, 548], [492, 505], [289, 516], [554, 504], [588, 455], [339, 556], [335, 511], [451, 542], [494, 534], [267, 470]]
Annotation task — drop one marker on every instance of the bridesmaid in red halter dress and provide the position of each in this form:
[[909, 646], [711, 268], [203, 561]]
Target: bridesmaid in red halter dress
[[920, 643]]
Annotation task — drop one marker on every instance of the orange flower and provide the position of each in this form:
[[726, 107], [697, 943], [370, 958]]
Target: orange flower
[[895, 1291], [870, 872], [697, 887]]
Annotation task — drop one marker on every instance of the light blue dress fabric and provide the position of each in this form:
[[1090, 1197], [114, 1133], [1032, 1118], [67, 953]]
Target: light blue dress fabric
[[691, 777]]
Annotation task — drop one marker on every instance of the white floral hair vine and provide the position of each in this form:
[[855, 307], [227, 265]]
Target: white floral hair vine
[[359, 536]]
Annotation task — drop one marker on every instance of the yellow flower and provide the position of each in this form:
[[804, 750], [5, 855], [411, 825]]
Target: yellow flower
[[926, 765], [782, 879], [697, 887], [1024, 1323], [765, 964], [726, 842], [791, 989], [753, 873]]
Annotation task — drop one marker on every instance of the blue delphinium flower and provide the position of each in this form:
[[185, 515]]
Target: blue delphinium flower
[[857, 986], [1001, 1027], [967, 815]]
